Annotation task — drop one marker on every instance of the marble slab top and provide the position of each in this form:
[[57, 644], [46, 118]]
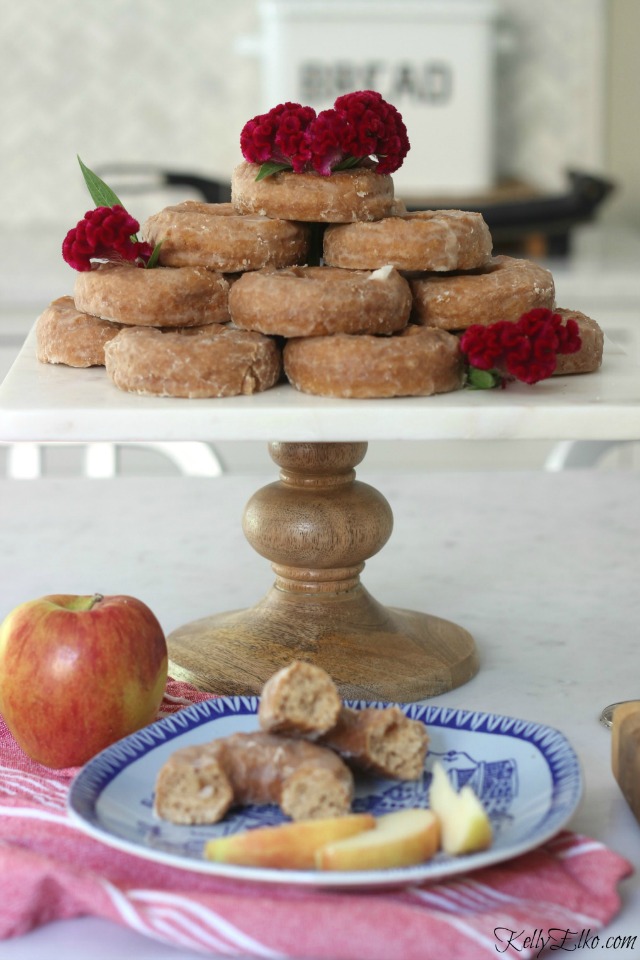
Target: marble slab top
[[44, 402]]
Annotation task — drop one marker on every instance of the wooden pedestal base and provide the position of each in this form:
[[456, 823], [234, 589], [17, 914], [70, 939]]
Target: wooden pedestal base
[[318, 525]]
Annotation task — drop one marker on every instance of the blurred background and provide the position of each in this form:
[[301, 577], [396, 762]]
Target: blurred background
[[527, 111]]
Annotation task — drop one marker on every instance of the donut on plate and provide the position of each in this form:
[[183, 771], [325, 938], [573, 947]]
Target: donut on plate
[[215, 236], [417, 362], [160, 297], [441, 240], [315, 301], [345, 196], [588, 358], [504, 289], [66, 335], [199, 783], [195, 362]]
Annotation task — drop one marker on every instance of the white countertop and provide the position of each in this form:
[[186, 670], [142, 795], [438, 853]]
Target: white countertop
[[542, 568]]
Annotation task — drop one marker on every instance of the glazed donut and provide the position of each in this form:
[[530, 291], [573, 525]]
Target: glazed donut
[[502, 290], [195, 362], [301, 700], [588, 358], [199, 784], [193, 787], [213, 235], [423, 240], [384, 741], [66, 335], [315, 301], [342, 197], [160, 297], [418, 361]]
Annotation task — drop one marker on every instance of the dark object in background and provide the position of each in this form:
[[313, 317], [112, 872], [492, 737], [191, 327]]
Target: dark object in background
[[521, 219], [127, 179]]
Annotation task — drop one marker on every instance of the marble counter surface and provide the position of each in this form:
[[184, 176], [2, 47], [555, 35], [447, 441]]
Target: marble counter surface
[[542, 568]]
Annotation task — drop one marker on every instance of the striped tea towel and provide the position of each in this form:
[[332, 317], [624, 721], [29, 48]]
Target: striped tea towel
[[557, 895]]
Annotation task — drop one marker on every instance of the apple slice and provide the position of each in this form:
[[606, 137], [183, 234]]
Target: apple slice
[[464, 823], [398, 839], [289, 846]]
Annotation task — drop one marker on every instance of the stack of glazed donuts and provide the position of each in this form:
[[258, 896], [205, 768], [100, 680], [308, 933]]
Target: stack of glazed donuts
[[171, 323], [235, 304]]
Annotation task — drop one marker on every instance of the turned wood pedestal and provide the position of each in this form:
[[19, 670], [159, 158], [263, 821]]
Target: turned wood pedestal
[[317, 525]]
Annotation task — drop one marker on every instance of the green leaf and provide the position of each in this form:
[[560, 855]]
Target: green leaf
[[482, 379], [348, 162], [101, 194], [155, 256], [270, 167]]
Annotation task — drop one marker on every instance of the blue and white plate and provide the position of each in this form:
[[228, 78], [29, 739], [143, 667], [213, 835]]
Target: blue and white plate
[[527, 776]]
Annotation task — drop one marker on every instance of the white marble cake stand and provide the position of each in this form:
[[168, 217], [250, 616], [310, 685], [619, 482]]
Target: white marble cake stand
[[317, 524]]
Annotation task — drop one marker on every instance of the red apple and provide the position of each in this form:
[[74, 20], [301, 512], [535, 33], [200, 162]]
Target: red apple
[[79, 673]]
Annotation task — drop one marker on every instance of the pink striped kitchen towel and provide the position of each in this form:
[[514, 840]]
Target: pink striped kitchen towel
[[558, 895]]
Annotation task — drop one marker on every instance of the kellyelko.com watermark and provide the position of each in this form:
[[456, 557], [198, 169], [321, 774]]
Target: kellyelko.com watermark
[[557, 938]]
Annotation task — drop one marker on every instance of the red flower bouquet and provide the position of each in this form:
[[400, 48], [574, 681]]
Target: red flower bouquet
[[525, 350], [106, 233], [360, 128]]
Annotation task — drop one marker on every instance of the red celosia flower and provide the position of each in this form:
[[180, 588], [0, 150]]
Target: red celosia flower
[[483, 345], [326, 137], [365, 112], [106, 233], [525, 350], [375, 129], [278, 136], [360, 125], [292, 136]]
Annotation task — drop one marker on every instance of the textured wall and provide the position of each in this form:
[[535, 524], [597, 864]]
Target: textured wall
[[622, 135], [163, 82], [551, 90], [137, 80]]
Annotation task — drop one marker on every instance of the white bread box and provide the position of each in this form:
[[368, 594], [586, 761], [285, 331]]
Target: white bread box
[[433, 59]]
